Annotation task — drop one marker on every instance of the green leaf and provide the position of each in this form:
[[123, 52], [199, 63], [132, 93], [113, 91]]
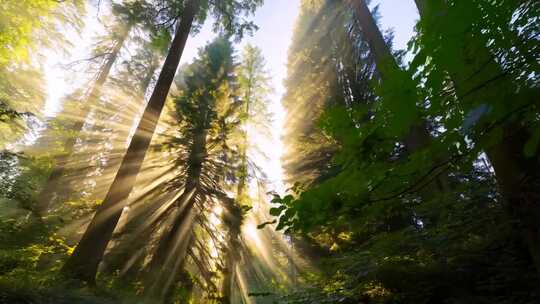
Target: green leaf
[[277, 210]]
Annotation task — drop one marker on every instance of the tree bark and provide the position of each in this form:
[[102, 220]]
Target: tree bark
[[84, 261], [242, 151], [228, 275], [418, 136], [116, 261], [517, 175], [49, 191]]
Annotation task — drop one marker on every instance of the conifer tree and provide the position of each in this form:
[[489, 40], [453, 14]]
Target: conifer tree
[[86, 257]]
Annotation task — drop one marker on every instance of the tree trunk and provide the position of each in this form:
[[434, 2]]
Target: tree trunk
[[116, 262], [243, 168], [170, 254], [418, 136], [122, 135], [480, 77], [49, 191], [84, 261]]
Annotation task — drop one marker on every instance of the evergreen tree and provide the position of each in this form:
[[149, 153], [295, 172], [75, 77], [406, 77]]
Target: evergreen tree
[[109, 54], [94, 241]]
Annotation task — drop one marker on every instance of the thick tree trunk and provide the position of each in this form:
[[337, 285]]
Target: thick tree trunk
[[120, 138], [118, 261], [480, 77], [84, 261], [519, 180], [418, 136], [50, 189]]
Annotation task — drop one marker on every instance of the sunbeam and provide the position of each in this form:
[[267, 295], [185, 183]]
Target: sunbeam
[[264, 152]]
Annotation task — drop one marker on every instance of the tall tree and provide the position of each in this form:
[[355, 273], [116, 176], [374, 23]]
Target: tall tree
[[479, 81], [354, 213], [207, 86], [85, 259], [402, 98], [84, 262], [311, 88], [254, 87], [110, 130], [109, 55]]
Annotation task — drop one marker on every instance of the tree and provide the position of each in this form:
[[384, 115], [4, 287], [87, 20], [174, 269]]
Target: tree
[[369, 215], [311, 84], [109, 55], [400, 95], [86, 257], [207, 90], [505, 131], [109, 131], [254, 87]]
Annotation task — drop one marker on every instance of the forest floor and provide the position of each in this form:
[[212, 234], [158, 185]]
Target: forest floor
[[10, 295]]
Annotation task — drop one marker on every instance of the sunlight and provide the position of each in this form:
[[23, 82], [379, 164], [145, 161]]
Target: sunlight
[[243, 287], [215, 215], [250, 229], [58, 83], [281, 151]]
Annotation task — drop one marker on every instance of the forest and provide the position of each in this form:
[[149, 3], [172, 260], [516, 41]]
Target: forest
[[151, 152]]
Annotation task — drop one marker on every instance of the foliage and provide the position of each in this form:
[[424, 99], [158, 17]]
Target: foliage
[[410, 182], [28, 29], [19, 19], [375, 207]]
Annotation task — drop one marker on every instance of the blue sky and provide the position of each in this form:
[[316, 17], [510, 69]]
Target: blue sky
[[400, 16], [275, 20]]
